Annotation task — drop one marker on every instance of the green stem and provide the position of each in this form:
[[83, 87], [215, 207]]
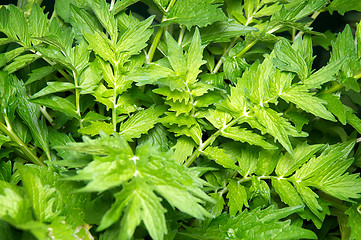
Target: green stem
[[246, 179], [53, 64], [115, 106], [46, 115], [220, 62], [23, 147], [77, 98], [357, 76], [209, 141], [314, 16], [332, 89], [172, 2], [114, 112], [158, 35], [246, 48], [181, 34], [154, 45], [111, 5]]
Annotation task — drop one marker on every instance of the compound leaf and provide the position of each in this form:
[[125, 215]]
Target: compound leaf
[[194, 13]]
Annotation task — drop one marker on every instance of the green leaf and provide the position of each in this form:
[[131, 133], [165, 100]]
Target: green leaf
[[237, 196], [352, 119], [10, 55], [4, 139], [290, 196], [276, 125], [175, 55], [183, 149], [58, 141], [342, 6], [300, 96], [220, 32], [140, 123], [14, 208], [9, 100], [287, 192], [121, 5], [19, 25], [55, 55], [354, 220], [342, 187], [105, 16], [58, 104], [236, 101], [194, 132], [149, 74], [298, 118], [267, 161], [90, 78], [139, 174], [180, 108], [20, 62], [255, 224], [221, 157], [335, 106], [325, 74], [5, 171], [247, 158], [194, 13], [83, 21], [218, 119], [99, 43], [180, 120], [135, 38], [344, 48], [53, 87], [317, 166], [95, 127], [39, 73], [174, 95], [289, 163], [217, 208], [30, 113], [244, 135], [38, 23], [311, 200], [41, 196], [157, 137], [287, 59], [139, 204], [194, 58]]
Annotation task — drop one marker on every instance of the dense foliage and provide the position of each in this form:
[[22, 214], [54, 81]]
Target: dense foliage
[[203, 120]]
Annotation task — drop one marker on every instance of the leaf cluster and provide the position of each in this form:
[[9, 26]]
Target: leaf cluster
[[196, 119]]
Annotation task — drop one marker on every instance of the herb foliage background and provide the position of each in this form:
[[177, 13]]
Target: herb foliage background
[[200, 119]]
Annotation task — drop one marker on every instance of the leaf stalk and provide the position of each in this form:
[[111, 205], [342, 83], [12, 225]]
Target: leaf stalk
[[23, 147]]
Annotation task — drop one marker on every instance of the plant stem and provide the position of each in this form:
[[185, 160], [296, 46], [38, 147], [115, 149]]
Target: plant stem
[[154, 45], [220, 62], [246, 179], [114, 112], [181, 34], [23, 147], [357, 76], [172, 2], [209, 141], [158, 35], [246, 48], [314, 16], [332, 89], [77, 98], [46, 115]]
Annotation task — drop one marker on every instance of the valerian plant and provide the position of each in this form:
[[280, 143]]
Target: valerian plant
[[199, 119]]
